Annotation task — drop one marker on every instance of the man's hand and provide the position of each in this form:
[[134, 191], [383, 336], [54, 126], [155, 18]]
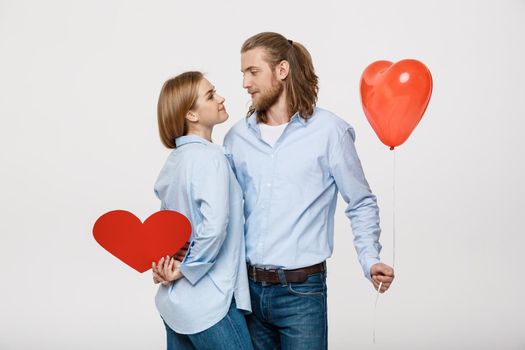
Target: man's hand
[[179, 256], [381, 273]]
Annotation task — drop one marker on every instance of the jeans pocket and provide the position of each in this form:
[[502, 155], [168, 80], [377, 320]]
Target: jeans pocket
[[314, 285]]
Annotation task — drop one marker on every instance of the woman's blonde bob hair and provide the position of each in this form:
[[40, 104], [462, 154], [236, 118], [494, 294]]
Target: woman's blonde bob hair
[[177, 97]]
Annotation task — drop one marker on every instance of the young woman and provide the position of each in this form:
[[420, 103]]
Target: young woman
[[203, 299]]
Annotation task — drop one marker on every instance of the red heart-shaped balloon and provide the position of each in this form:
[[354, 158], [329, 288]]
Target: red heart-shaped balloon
[[395, 97], [139, 244]]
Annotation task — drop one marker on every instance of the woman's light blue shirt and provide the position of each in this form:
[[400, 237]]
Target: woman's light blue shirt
[[198, 182]]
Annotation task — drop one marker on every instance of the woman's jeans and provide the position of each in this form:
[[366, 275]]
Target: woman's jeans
[[230, 333]]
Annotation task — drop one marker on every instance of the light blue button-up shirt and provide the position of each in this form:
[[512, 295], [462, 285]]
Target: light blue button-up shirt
[[290, 191], [198, 182]]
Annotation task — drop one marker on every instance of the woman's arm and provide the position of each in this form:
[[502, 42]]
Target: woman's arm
[[211, 195]]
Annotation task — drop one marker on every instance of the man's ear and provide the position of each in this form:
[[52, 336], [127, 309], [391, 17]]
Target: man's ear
[[192, 116], [282, 69]]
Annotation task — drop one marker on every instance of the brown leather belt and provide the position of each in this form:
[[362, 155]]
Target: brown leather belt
[[296, 275]]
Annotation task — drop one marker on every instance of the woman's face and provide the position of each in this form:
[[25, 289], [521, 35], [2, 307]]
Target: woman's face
[[209, 106]]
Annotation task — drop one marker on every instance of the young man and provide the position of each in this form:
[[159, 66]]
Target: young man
[[291, 159]]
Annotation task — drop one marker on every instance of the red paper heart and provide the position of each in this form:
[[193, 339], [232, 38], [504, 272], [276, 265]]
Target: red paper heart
[[394, 98], [138, 244]]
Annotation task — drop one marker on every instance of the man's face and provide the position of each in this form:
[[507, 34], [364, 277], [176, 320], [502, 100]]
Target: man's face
[[260, 80]]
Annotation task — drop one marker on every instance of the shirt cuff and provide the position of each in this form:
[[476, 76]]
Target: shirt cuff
[[369, 262], [194, 271]]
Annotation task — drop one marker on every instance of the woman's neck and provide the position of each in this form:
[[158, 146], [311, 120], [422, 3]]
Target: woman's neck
[[201, 132]]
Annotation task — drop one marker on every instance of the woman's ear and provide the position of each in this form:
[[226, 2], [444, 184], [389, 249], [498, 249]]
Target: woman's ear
[[192, 117]]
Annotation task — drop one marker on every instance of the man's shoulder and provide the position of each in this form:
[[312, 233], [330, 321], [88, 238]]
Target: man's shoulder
[[239, 125], [330, 120], [237, 129]]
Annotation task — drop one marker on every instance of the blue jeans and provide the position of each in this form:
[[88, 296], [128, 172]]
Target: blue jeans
[[289, 315], [230, 333]]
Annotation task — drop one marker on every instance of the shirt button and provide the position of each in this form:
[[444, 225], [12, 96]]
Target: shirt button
[[269, 185]]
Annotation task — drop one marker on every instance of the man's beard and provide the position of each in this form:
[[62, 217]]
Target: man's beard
[[270, 96]]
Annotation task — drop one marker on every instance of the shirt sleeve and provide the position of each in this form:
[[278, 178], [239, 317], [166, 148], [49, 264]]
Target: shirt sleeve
[[362, 209], [227, 144], [211, 195]]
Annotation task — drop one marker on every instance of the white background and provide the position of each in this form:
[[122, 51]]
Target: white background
[[79, 83]]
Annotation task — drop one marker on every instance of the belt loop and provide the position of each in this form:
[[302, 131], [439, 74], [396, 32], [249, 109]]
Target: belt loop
[[282, 277], [254, 271]]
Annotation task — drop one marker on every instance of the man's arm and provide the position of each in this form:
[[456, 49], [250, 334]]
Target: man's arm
[[362, 209]]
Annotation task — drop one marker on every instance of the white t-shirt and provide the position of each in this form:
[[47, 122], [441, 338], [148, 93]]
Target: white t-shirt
[[271, 133]]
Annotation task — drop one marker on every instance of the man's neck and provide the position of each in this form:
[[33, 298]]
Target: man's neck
[[278, 113]]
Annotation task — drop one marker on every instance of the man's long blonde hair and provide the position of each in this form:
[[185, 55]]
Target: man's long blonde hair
[[301, 84]]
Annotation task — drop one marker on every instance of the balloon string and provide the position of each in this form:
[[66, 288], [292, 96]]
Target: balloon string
[[393, 239], [394, 212], [375, 310]]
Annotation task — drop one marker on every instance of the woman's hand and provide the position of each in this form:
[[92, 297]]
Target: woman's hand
[[157, 276], [166, 271]]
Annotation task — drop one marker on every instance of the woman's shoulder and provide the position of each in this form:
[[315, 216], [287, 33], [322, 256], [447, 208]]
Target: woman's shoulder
[[197, 156], [196, 152], [192, 161]]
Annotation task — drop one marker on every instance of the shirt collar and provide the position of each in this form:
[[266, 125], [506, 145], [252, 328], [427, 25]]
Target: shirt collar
[[183, 140], [297, 118], [252, 120]]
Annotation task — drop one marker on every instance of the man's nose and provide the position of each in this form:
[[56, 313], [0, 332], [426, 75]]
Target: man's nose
[[246, 83]]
